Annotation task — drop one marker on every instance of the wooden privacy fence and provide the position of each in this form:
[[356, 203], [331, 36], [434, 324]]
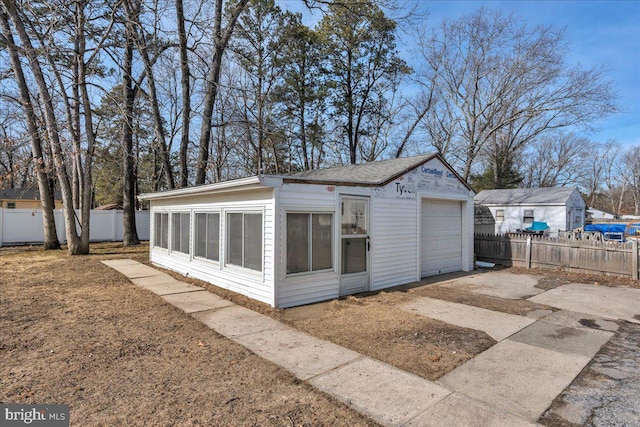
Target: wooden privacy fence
[[588, 256]]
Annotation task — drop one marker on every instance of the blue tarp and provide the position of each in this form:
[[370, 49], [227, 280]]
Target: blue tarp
[[538, 226], [606, 228]]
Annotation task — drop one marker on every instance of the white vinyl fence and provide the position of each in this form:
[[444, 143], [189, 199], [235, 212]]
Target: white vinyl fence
[[24, 226]]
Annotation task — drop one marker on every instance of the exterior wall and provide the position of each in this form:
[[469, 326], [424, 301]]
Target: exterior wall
[[254, 284], [554, 216], [305, 288], [394, 230], [576, 211]]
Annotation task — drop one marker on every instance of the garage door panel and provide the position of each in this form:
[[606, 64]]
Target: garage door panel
[[441, 237]]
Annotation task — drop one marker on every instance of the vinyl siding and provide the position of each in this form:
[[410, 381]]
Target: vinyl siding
[[305, 288]]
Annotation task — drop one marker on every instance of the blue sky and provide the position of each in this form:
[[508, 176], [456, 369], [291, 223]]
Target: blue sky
[[603, 33]]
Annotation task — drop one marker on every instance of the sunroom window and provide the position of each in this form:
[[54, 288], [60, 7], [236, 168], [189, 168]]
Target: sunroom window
[[244, 240], [309, 242], [161, 230], [207, 236], [180, 232]]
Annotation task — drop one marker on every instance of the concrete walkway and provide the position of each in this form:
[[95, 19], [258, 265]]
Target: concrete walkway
[[493, 389]]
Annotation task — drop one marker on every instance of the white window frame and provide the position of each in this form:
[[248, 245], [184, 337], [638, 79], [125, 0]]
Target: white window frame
[[310, 213], [155, 244], [171, 234], [227, 241], [498, 219], [220, 235], [524, 215]]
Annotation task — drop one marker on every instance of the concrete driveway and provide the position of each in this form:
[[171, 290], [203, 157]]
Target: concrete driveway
[[535, 361]]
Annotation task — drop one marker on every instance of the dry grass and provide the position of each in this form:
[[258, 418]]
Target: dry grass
[[74, 331]]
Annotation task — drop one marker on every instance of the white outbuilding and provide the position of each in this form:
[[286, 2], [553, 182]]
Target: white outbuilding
[[311, 236], [563, 208]]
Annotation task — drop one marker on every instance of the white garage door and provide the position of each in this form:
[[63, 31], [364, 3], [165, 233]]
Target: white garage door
[[441, 247]]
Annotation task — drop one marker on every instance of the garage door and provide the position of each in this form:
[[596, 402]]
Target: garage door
[[441, 239]]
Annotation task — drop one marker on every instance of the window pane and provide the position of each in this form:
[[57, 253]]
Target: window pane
[[213, 236], [354, 255], [164, 240], [157, 230], [184, 232], [253, 241], [201, 235], [234, 238], [321, 241], [175, 234], [297, 242], [354, 216]]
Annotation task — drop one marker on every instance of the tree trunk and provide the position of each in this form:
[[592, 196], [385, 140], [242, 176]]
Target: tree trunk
[[186, 95], [213, 79], [46, 196], [128, 201]]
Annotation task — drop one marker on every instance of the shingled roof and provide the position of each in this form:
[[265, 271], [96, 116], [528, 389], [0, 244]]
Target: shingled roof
[[372, 173], [520, 196], [24, 194]]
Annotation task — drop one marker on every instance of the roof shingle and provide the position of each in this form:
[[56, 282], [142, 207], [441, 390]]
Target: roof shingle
[[524, 196], [372, 173]]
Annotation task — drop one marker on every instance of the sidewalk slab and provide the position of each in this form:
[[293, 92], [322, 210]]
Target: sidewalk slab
[[234, 321], [515, 377], [581, 342], [174, 287], [159, 279], [497, 325], [133, 271], [602, 301], [119, 262], [460, 410], [387, 394], [499, 284], [299, 353], [191, 302]]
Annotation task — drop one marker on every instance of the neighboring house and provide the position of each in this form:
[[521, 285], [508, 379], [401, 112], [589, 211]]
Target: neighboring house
[[562, 209], [24, 198], [594, 214], [311, 236]]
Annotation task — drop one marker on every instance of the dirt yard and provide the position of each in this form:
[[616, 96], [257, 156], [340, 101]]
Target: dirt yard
[[76, 332]]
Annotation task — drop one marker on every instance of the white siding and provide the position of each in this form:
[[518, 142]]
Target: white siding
[[394, 242], [554, 216], [254, 284], [303, 288]]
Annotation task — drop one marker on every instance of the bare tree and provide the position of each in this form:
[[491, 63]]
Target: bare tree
[[222, 35], [46, 193], [557, 160], [41, 43], [507, 84]]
